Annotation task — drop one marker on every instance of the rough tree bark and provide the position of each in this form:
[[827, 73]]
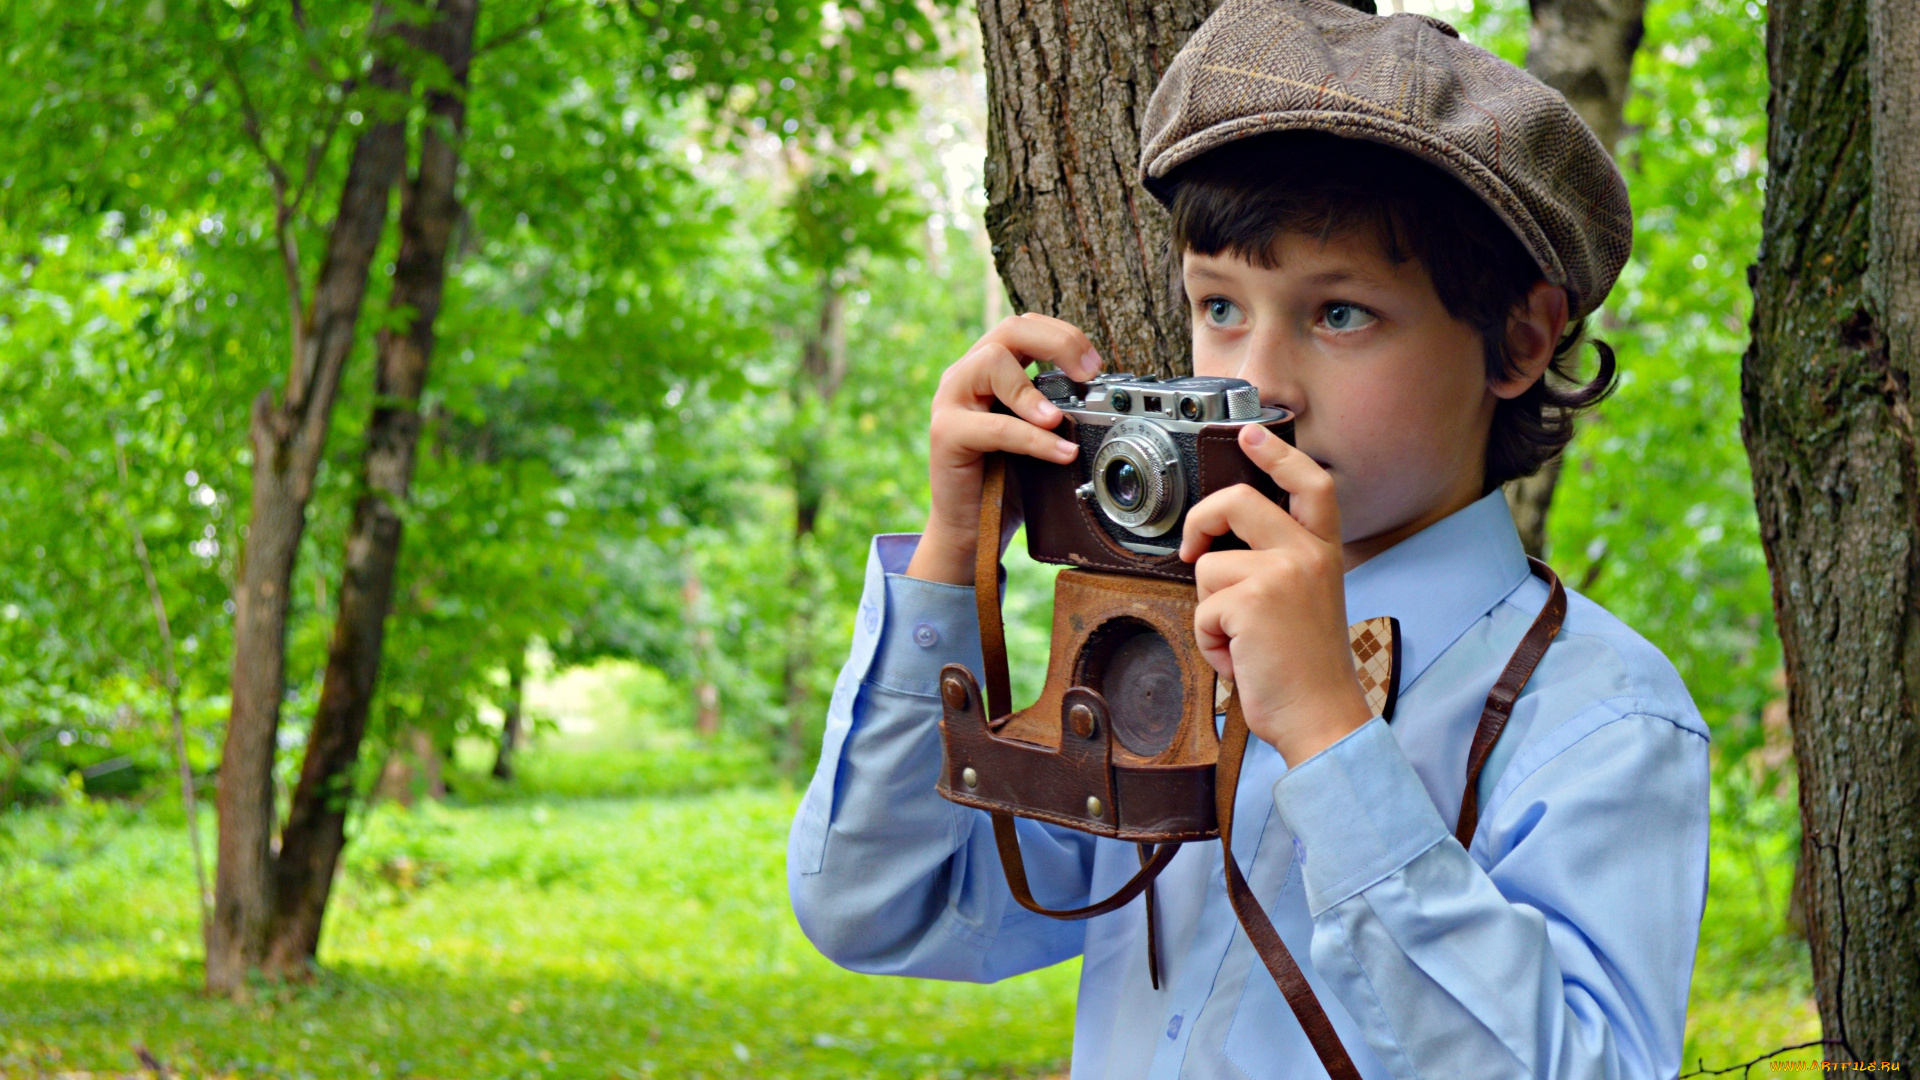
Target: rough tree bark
[[1584, 49], [316, 821], [1829, 430], [287, 438], [1074, 234], [823, 367]]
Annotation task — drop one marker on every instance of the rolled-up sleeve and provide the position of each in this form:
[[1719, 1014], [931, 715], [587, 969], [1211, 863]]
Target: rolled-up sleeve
[[1561, 947], [886, 876]]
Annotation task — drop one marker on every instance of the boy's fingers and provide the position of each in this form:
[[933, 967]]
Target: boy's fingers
[[1052, 341], [1217, 571], [1007, 379], [1211, 634], [1313, 501], [975, 432], [1239, 510], [1086, 362], [992, 371]]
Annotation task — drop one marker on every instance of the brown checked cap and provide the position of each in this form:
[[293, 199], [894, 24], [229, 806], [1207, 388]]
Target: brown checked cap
[[1408, 81]]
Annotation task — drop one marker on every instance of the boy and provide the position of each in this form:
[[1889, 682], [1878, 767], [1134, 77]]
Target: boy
[[1396, 236]]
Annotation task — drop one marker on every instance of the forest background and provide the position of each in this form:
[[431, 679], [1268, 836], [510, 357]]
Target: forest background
[[698, 300]]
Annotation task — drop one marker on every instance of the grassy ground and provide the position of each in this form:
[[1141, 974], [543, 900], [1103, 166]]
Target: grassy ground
[[546, 932]]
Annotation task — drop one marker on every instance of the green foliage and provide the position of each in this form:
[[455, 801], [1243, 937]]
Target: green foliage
[[1653, 517], [1656, 507], [112, 346], [1752, 985], [838, 217], [162, 162]]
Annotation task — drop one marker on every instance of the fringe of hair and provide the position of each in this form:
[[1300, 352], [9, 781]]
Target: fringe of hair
[[1533, 428]]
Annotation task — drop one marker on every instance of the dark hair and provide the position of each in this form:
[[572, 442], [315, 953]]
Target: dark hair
[[1243, 196]]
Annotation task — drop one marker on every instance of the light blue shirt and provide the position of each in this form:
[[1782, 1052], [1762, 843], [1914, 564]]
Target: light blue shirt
[[1560, 945]]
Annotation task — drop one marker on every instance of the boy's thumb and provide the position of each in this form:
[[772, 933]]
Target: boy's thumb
[[1262, 447]]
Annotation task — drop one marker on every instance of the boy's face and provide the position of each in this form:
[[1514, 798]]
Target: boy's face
[[1389, 391]]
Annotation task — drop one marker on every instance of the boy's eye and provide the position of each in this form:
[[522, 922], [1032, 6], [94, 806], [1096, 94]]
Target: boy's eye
[[1223, 312], [1346, 316]]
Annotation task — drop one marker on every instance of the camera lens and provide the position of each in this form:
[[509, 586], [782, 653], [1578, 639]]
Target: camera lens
[[1121, 401], [1123, 484], [1138, 480]]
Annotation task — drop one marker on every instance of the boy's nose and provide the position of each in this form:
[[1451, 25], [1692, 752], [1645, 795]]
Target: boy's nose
[[1267, 366]]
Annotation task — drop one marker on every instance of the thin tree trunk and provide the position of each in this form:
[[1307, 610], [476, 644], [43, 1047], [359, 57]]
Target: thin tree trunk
[[510, 720], [706, 692], [1829, 431], [316, 822], [171, 676], [287, 438], [823, 366], [1584, 49]]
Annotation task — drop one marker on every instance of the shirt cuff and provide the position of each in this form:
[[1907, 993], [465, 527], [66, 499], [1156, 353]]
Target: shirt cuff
[[928, 625], [1358, 813]]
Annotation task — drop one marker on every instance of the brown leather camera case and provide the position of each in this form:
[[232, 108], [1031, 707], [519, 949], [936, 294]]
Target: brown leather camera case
[[1059, 760]]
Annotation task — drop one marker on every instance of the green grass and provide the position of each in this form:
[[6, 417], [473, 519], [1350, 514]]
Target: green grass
[[620, 911], [587, 938]]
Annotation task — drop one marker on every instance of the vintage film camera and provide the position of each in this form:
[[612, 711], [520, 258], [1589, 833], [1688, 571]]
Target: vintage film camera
[[1122, 742]]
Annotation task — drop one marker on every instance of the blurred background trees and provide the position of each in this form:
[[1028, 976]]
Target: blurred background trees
[[708, 260]]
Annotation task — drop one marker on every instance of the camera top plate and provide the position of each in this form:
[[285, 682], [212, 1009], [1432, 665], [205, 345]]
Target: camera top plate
[[1187, 404]]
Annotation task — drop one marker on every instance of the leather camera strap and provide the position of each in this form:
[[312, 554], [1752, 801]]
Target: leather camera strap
[[1253, 919], [999, 694], [1153, 931], [986, 589], [1008, 842], [1506, 690]]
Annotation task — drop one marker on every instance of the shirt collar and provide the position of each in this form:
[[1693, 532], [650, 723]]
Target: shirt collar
[[1441, 580]]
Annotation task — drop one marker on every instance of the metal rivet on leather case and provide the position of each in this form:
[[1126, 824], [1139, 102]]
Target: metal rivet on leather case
[[954, 693], [1093, 806], [969, 777], [1080, 719]]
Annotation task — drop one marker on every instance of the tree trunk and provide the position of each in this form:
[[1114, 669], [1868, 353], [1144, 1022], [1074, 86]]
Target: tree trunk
[[1074, 234], [823, 366], [1829, 431], [511, 718], [287, 439], [1584, 49], [706, 692], [316, 822]]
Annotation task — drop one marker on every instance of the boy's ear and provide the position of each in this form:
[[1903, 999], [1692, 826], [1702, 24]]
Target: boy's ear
[[1533, 330]]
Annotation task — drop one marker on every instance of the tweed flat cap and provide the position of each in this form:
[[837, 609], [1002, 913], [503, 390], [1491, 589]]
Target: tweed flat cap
[[1408, 81]]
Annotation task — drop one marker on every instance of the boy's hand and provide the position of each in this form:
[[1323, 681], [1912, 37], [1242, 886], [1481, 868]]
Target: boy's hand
[[963, 431], [1273, 619]]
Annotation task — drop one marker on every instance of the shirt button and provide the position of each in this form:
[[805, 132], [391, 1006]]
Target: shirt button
[[1173, 1027], [872, 617], [925, 636], [1299, 850]]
